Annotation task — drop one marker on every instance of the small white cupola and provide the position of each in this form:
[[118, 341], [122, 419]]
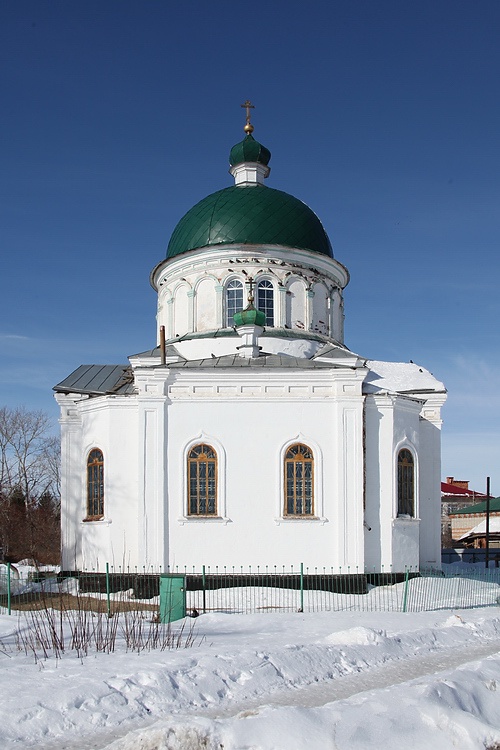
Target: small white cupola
[[249, 326]]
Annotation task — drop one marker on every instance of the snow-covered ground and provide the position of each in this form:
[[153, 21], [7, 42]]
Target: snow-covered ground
[[344, 680]]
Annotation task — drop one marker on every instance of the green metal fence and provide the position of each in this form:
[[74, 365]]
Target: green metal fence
[[259, 589]]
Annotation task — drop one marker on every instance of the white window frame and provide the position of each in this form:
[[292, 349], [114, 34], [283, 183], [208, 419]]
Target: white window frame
[[227, 286], [260, 283], [221, 517], [318, 493]]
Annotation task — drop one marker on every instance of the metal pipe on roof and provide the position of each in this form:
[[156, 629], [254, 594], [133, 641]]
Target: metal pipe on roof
[[487, 559]]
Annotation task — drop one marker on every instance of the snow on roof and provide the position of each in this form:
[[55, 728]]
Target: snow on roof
[[480, 529], [400, 377], [452, 489]]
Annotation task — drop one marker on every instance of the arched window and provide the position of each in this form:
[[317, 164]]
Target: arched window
[[202, 481], [234, 300], [406, 483], [265, 300], [95, 484], [299, 479]]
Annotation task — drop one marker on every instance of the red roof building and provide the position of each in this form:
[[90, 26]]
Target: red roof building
[[455, 495]]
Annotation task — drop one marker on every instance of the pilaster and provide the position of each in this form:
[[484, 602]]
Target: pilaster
[[219, 306], [72, 472], [152, 521], [191, 294]]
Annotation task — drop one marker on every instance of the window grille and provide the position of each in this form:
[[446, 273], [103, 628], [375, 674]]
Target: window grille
[[234, 300], [95, 484], [299, 479], [202, 481], [406, 483], [265, 300]]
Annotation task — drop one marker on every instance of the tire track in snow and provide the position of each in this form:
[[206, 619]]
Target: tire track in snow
[[372, 678], [313, 695]]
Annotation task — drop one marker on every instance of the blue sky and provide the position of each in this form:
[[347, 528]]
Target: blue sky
[[118, 115]]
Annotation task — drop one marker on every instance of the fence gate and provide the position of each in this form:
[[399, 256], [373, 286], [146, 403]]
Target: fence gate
[[172, 597]]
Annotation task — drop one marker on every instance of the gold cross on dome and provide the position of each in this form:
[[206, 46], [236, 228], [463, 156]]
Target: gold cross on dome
[[251, 284], [248, 106]]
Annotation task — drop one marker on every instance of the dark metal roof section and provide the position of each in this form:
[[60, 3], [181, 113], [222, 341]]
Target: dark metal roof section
[[170, 351], [281, 333], [265, 360], [98, 380], [106, 380]]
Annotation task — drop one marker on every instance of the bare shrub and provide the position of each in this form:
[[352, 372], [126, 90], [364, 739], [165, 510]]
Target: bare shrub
[[54, 628]]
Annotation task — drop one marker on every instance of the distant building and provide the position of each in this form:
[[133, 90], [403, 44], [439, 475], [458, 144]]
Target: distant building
[[476, 537], [455, 495], [468, 524]]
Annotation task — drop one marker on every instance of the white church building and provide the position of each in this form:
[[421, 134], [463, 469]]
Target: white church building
[[250, 435]]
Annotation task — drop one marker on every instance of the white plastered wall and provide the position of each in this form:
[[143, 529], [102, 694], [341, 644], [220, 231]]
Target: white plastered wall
[[110, 424], [430, 481], [252, 420], [393, 423], [72, 480]]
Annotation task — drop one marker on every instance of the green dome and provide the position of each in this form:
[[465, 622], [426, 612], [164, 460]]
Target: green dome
[[249, 150], [252, 215], [249, 316]]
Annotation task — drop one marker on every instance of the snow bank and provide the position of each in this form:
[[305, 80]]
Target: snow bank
[[247, 683]]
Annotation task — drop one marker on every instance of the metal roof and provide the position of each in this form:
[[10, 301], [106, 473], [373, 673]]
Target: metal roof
[[254, 215], [170, 351], [98, 380], [265, 360], [249, 150], [455, 491], [269, 332], [478, 508]]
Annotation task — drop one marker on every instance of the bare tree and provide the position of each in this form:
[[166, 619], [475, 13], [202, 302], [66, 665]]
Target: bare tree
[[29, 483]]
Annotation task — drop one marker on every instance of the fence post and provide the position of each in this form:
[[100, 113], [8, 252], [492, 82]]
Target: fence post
[[108, 590], [301, 587], [8, 589], [203, 580], [405, 595]]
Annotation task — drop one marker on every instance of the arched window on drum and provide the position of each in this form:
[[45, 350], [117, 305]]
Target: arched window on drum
[[265, 300], [233, 301]]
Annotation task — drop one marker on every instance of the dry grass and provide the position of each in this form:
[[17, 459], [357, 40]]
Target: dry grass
[[61, 601]]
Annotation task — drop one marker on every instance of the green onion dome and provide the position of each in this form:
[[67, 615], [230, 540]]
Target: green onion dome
[[250, 214], [250, 316], [249, 150]]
